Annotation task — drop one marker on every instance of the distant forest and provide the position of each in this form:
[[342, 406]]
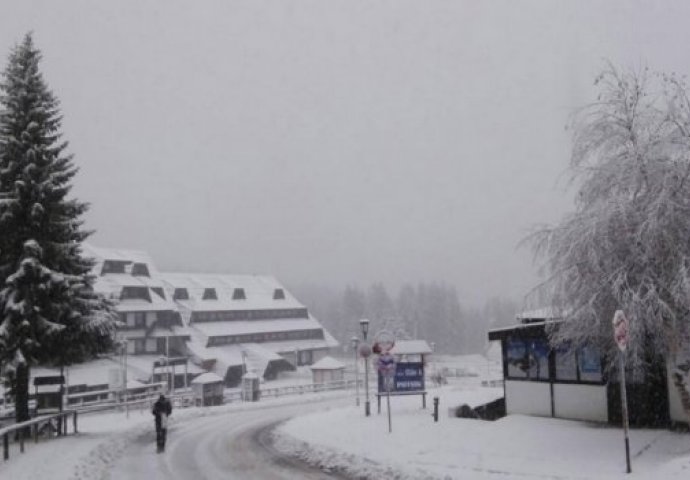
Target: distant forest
[[428, 311]]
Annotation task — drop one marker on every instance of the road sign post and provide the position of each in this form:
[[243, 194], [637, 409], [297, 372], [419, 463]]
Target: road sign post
[[386, 367], [620, 335]]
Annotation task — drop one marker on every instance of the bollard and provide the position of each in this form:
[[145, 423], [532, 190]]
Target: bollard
[[435, 414]]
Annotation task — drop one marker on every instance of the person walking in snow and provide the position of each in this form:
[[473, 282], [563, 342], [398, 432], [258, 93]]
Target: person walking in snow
[[161, 410]]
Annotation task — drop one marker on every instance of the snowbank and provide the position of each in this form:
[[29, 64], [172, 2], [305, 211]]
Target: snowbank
[[515, 447]]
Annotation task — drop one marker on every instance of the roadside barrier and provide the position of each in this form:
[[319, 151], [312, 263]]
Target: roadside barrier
[[46, 426]]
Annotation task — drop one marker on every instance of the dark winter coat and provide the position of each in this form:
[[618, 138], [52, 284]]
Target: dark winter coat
[[161, 407]]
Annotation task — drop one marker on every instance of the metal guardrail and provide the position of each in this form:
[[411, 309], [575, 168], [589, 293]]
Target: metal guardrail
[[77, 400], [307, 388], [45, 424], [113, 399]]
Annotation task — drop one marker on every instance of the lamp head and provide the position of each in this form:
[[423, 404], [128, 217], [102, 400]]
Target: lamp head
[[364, 323]]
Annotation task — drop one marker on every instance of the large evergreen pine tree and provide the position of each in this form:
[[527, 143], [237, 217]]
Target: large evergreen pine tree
[[49, 313]]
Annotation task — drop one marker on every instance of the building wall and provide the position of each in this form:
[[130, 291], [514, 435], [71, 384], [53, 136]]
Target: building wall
[[327, 376], [528, 398], [318, 355], [581, 402], [151, 345]]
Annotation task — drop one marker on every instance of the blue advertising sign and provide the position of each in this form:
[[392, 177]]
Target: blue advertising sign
[[409, 377]]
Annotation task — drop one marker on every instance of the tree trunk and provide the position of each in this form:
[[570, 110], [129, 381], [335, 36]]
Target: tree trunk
[[21, 393]]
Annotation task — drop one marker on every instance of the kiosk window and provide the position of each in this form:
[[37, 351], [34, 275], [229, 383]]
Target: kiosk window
[[590, 364], [566, 364], [581, 365], [527, 359]]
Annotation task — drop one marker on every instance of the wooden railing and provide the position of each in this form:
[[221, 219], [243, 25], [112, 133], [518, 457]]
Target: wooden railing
[[48, 425]]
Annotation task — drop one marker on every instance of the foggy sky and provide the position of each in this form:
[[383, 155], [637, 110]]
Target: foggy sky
[[333, 142]]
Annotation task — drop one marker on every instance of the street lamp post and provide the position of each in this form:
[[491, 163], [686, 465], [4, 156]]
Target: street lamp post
[[123, 350], [364, 324], [355, 345]]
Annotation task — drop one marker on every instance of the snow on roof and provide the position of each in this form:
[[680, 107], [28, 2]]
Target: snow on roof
[[200, 351], [328, 363], [226, 356], [46, 388], [94, 372], [410, 347], [102, 254], [208, 377], [179, 331], [137, 305], [545, 313], [289, 346], [259, 291], [141, 366], [259, 350], [243, 327]]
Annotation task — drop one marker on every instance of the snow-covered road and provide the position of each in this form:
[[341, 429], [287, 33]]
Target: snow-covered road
[[233, 445]]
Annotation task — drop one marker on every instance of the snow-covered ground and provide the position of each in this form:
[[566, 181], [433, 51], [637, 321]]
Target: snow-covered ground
[[104, 437], [516, 447]]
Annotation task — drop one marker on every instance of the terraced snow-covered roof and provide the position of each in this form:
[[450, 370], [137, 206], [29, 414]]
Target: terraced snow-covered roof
[[243, 327], [259, 291]]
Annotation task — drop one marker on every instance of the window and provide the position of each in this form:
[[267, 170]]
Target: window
[[140, 269], [139, 345], [181, 294], [139, 320], [135, 293], [238, 294], [160, 346], [278, 294], [159, 291], [582, 365], [566, 364], [305, 357], [210, 294], [589, 363], [527, 359], [112, 266]]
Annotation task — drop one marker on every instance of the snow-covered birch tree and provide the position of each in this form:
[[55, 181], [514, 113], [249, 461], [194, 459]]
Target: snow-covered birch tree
[[627, 243], [49, 313]]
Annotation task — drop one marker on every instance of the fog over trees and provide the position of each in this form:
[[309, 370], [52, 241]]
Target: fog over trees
[[430, 311]]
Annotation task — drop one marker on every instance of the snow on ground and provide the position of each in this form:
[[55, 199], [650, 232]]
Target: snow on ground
[[103, 437], [515, 447]]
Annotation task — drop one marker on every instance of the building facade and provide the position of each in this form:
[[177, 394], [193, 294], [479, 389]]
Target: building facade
[[573, 383], [226, 324]]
